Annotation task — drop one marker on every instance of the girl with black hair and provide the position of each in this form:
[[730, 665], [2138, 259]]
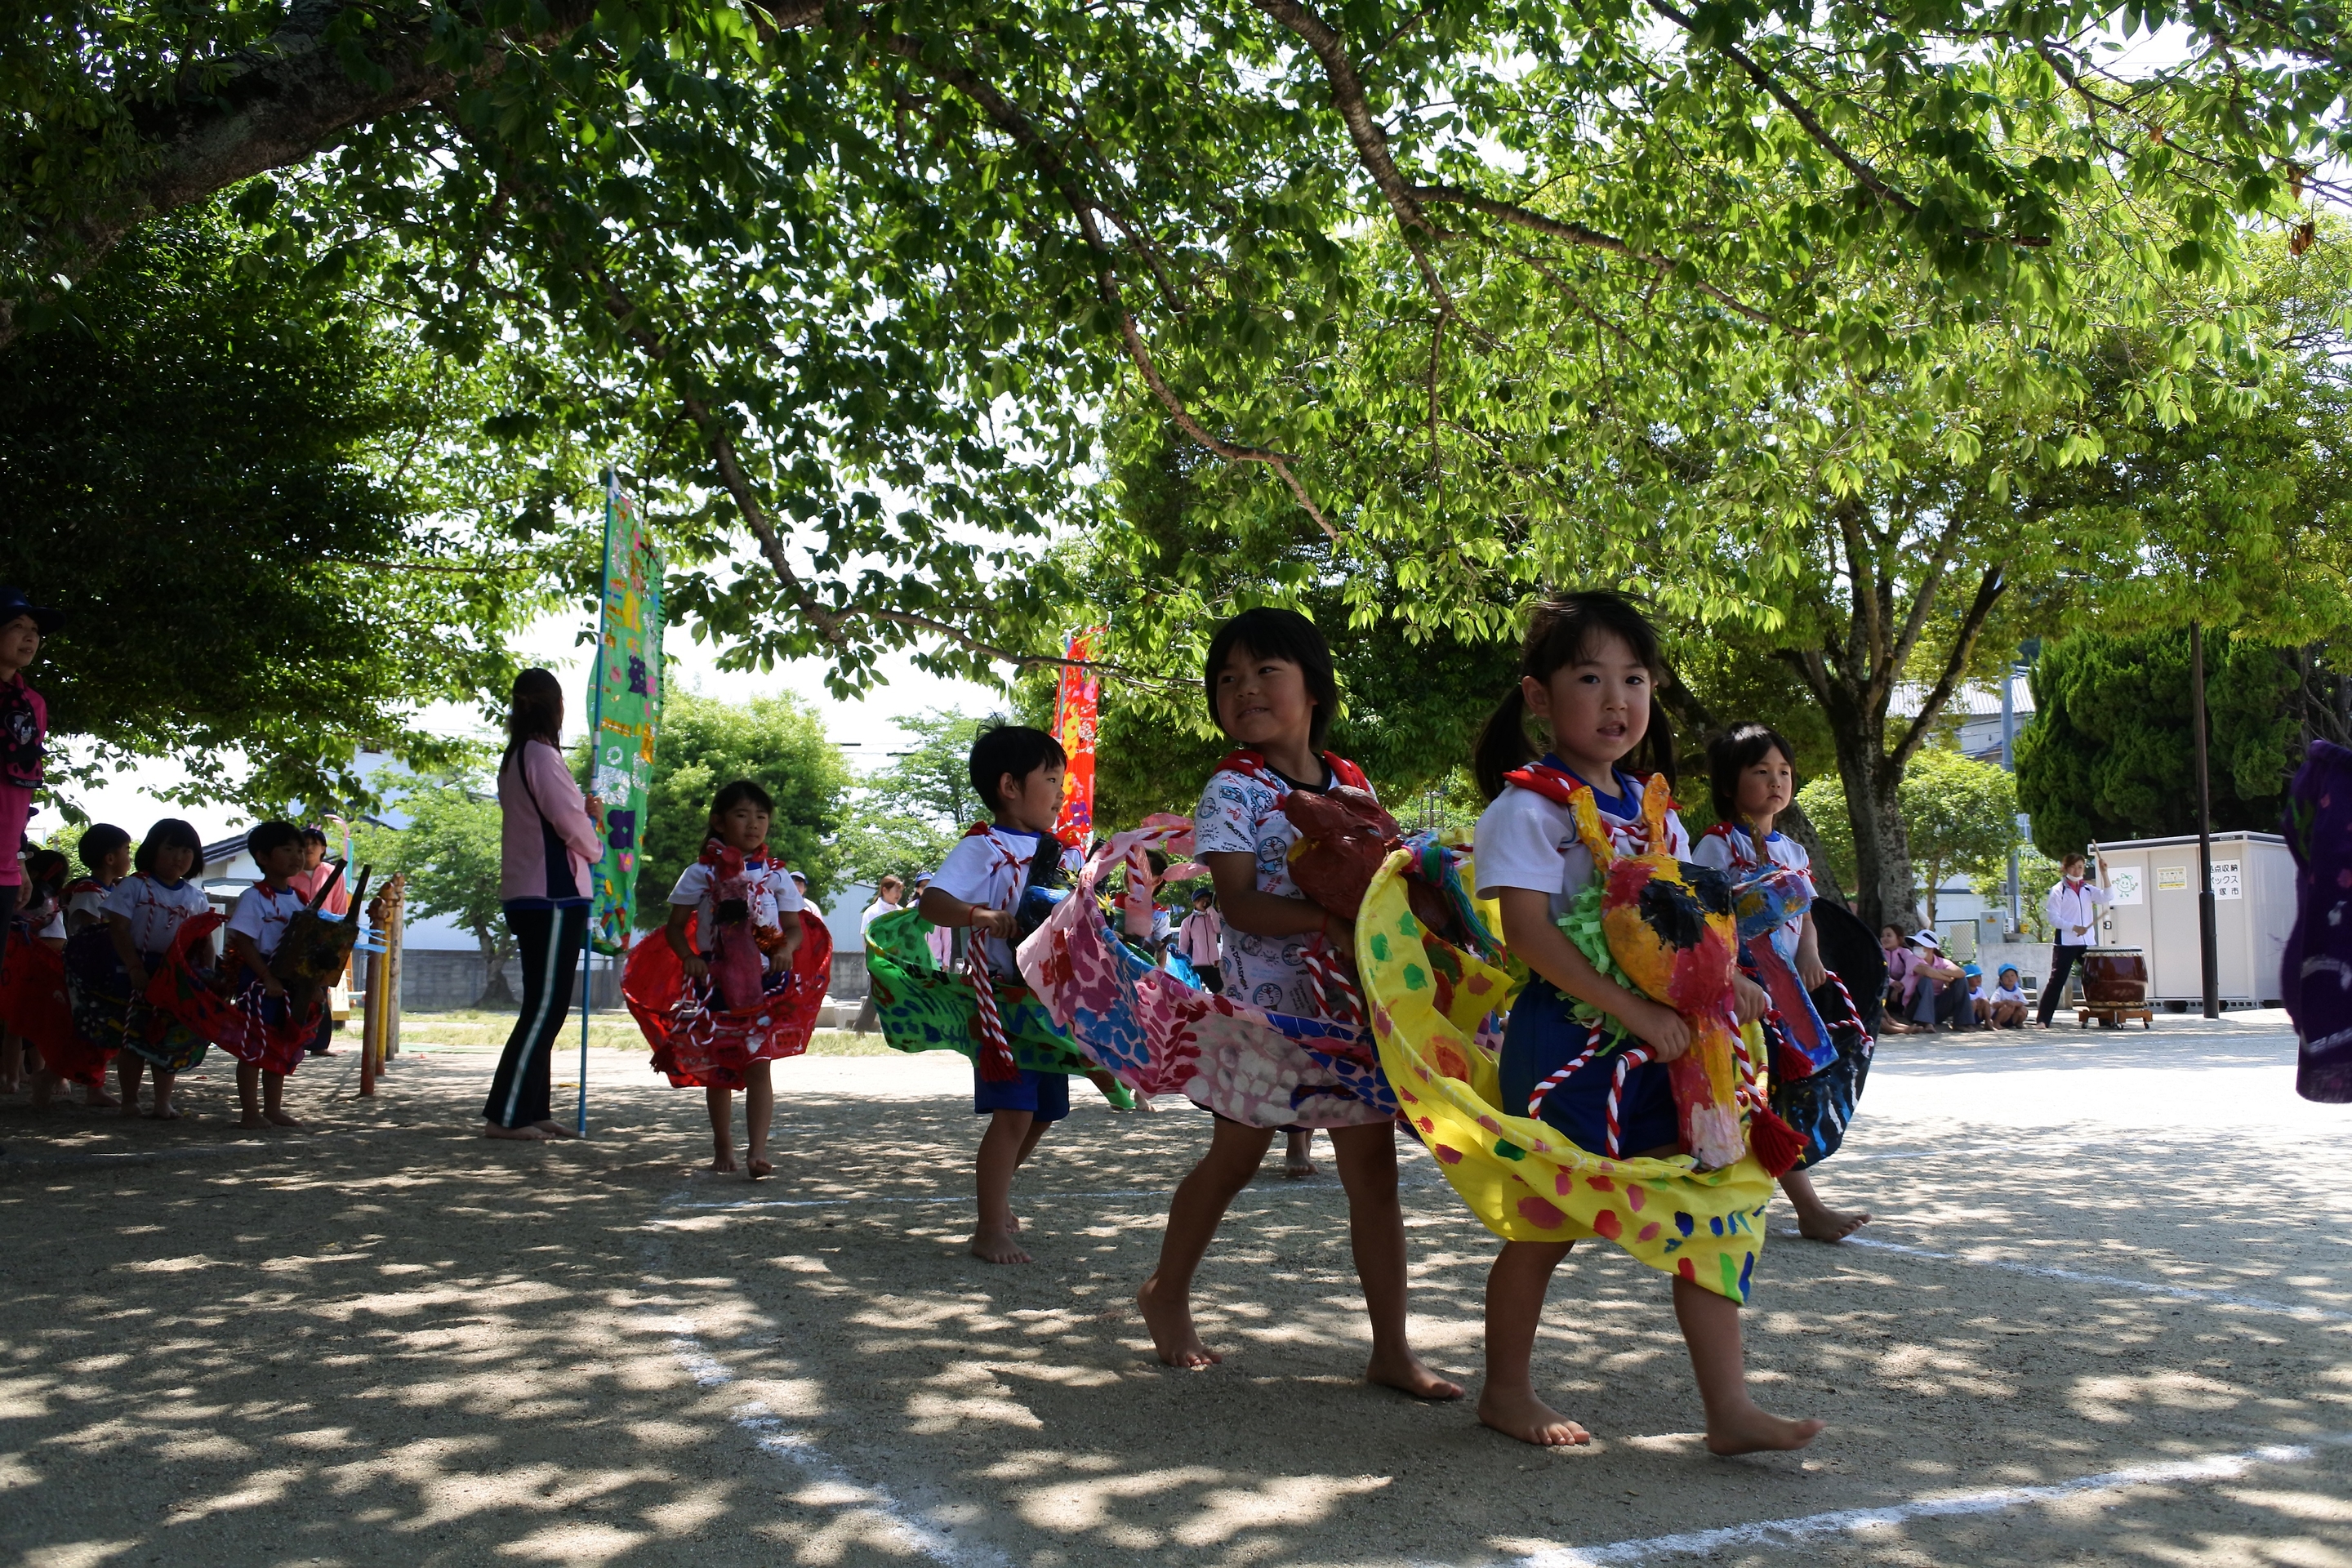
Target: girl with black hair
[[548, 843], [104, 851], [1751, 771], [737, 910], [1587, 672], [1271, 688], [108, 982]]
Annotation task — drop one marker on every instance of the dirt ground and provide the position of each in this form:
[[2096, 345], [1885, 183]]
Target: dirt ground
[[2103, 1317]]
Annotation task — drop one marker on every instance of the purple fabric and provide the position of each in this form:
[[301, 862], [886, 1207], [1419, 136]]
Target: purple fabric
[[2316, 975]]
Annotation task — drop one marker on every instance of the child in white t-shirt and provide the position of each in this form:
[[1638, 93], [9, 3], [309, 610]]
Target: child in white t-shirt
[[1017, 771], [2005, 1006], [143, 915], [256, 926], [770, 920]]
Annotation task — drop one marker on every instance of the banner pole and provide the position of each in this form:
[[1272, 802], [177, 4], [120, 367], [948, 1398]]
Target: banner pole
[[595, 730]]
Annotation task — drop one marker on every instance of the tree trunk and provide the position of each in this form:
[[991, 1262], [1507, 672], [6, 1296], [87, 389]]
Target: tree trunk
[[1799, 826], [497, 994], [1885, 891]]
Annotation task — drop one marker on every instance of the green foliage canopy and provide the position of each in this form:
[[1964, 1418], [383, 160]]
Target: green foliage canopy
[[2109, 754], [450, 854], [700, 745], [207, 473], [1960, 814], [908, 815]]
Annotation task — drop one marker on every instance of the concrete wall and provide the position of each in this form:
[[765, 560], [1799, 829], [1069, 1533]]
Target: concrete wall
[[438, 981]]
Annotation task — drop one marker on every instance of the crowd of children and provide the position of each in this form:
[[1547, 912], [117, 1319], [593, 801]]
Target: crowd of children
[[1268, 1006]]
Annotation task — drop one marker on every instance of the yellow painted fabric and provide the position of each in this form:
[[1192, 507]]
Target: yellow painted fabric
[[1523, 1178]]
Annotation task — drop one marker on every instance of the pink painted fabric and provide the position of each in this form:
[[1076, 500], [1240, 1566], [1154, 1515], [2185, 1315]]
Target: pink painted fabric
[[1160, 1035]]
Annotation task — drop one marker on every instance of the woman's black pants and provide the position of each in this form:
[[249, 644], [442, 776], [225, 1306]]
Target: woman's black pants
[[549, 940]]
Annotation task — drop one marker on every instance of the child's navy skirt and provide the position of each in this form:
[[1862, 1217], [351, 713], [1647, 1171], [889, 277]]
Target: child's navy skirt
[[1543, 1036]]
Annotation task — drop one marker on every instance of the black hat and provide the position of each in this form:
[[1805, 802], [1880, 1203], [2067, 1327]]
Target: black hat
[[13, 603]]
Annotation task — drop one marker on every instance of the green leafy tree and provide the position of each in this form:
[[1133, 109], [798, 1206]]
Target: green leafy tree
[[2036, 875], [908, 815], [1959, 816], [209, 472], [858, 280], [450, 854], [2109, 752], [701, 744]]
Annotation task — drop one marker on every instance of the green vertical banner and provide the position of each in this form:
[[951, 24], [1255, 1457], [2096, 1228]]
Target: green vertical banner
[[626, 699]]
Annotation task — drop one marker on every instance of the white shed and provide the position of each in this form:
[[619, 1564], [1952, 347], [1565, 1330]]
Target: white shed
[[2153, 885]]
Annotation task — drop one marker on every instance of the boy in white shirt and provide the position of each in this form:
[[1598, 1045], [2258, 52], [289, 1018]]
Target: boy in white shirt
[[1017, 771], [255, 927], [2004, 1007]]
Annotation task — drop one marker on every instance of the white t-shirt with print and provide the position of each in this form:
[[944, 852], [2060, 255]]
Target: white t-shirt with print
[[1241, 814], [155, 910], [1528, 840], [772, 897], [1732, 850], [262, 913], [990, 870]]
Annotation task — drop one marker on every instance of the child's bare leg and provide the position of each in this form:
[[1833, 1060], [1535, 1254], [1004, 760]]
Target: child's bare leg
[[1011, 1135], [273, 1101], [1515, 1299], [94, 1095], [758, 1109], [1367, 1160], [45, 1086], [12, 1058], [248, 1095], [164, 1109], [1816, 1221], [127, 1068], [1736, 1424], [1298, 1153], [1235, 1152], [1028, 1147], [721, 1105]]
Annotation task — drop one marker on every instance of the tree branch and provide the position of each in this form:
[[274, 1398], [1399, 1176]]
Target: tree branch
[[1576, 234], [1057, 170], [1990, 589], [1865, 176]]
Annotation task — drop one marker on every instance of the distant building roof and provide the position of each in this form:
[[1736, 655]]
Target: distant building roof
[[1967, 702]]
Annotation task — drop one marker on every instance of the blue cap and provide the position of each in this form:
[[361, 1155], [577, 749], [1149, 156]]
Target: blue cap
[[13, 602]]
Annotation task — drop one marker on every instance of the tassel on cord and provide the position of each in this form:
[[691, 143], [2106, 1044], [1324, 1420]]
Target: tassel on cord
[[996, 1063], [1775, 1143]]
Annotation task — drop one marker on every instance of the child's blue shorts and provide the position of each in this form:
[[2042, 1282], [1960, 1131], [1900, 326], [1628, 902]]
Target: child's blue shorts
[[1044, 1095], [1543, 1036]]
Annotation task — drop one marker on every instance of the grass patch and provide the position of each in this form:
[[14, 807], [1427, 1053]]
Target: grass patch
[[476, 1029]]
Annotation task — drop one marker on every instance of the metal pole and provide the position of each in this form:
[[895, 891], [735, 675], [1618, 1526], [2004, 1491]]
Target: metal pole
[[595, 730], [2009, 764], [2208, 943]]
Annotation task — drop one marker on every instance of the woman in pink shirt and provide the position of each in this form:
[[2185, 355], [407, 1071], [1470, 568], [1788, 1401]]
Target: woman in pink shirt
[[548, 845]]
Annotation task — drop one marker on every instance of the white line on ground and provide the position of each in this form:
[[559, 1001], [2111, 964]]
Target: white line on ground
[[773, 1436], [2074, 1275], [1789, 1532]]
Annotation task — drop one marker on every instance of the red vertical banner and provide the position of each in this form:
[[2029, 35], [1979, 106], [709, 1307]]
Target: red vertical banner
[[1078, 705]]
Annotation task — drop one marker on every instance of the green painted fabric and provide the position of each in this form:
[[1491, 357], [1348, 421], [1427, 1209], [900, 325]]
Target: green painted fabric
[[922, 1008]]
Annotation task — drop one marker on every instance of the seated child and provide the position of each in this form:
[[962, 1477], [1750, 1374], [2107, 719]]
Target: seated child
[[2004, 1007]]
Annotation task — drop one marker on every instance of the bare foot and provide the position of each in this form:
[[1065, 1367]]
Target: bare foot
[[1405, 1373], [1753, 1430], [997, 1247], [1296, 1167], [513, 1134], [722, 1165], [99, 1100], [279, 1119], [555, 1130], [1529, 1419], [253, 1119], [160, 1113], [1172, 1334], [131, 1107], [42, 1089], [1831, 1224], [760, 1168]]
